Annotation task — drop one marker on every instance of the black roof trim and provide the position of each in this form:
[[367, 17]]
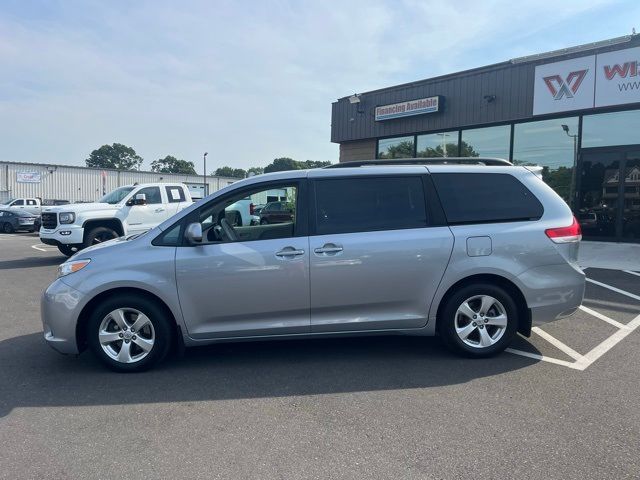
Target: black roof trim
[[426, 161]]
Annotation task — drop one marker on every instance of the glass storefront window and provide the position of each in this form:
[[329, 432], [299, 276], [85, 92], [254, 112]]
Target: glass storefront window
[[486, 142], [546, 144], [399, 147], [616, 128], [443, 144]]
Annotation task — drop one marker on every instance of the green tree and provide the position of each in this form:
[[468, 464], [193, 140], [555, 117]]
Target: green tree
[[230, 172], [316, 164], [116, 156], [255, 170], [282, 164], [171, 164], [452, 151], [403, 149], [285, 163]]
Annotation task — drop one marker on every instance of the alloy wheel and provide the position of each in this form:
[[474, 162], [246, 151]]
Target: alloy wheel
[[481, 321], [126, 335]]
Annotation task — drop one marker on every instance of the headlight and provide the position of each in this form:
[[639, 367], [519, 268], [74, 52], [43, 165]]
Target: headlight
[[72, 267], [67, 217]]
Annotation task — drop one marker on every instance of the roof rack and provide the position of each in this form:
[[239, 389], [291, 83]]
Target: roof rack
[[426, 161]]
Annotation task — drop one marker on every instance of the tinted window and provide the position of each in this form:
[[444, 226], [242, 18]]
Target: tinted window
[[401, 147], [18, 202], [485, 197], [443, 144], [545, 143], [175, 194], [617, 128], [367, 204], [486, 142], [31, 202], [152, 194]]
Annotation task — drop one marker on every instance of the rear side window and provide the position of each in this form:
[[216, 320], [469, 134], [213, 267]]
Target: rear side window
[[369, 204], [485, 198], [175, 194]]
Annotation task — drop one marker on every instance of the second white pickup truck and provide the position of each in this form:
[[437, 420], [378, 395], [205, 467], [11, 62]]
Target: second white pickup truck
[[127, 210]]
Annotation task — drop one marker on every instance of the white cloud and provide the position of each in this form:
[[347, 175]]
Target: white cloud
[[246, 81]]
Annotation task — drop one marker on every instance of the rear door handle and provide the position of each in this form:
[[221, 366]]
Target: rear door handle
[[328, 248], [289, 252]]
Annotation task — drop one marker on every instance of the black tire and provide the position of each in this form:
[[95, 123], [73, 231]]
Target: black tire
[[98, 235], [7, 227], [67, 250], [263, 221], [447, 320], [158, 317]]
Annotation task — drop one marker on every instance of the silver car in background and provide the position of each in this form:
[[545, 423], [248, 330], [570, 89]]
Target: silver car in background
[[473, 253]]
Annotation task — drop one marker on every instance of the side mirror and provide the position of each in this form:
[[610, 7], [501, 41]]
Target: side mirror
[[193, 233]]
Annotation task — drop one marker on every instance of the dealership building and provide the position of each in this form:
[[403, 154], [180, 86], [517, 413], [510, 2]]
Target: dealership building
[[575, 112]]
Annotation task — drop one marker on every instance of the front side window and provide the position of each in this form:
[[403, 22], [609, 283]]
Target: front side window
[[369, 204], [234, 219], [152, 195], [400, 147], [18, 203], [486, 142], [485, 198]]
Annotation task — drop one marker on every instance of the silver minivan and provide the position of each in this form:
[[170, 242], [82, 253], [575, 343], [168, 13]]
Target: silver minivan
[[473, 253]]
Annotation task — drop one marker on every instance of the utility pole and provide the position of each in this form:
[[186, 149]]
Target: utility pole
[[206, 190]]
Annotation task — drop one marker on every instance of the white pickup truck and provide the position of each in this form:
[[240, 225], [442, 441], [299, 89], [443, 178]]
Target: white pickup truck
[[125, 211], [31, 205]]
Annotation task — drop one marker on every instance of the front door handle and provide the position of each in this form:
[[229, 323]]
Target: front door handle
[[158, 210], [289, 252], [328, 248]]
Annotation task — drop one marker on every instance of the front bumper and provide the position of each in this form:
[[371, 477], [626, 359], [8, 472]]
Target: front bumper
[[60, 308], [73, 235], [552, 291]]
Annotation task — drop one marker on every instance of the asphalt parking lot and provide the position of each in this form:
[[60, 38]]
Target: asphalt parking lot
[[562, 404]]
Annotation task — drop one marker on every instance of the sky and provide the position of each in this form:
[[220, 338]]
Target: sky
[[247, 81]]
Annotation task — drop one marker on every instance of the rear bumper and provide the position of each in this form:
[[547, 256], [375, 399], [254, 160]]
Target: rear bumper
[[60, 307], [552, 291]]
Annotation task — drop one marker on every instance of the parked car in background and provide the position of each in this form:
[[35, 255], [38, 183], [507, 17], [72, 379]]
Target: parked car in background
[[12, 220], [52, 202], [27, 204], [127, 210], [277, 212], [387, 249]]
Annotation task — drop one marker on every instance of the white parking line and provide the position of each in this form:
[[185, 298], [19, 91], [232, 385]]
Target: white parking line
[[41, 247], [631, 272], [602, 317], [614, 289], [582, 362], [557, 343]]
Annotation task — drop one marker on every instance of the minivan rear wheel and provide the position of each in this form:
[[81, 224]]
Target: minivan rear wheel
[[479, 320], [129, 333]]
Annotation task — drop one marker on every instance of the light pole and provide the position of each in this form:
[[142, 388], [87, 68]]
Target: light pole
[[204, 194], [444, 143], [575, 164]]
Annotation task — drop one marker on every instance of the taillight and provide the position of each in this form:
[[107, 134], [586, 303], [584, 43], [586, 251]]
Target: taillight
[[251, 209], [569, 234]]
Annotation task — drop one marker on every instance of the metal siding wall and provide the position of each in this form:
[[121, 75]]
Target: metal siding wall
[[464, 104], [78, 184]]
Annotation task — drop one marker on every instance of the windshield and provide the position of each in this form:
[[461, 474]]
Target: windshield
[[116, 196], [7, 202]]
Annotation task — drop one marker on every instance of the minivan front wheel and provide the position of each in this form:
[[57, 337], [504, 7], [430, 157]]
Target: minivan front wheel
[[479, 320], [129, 333]]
